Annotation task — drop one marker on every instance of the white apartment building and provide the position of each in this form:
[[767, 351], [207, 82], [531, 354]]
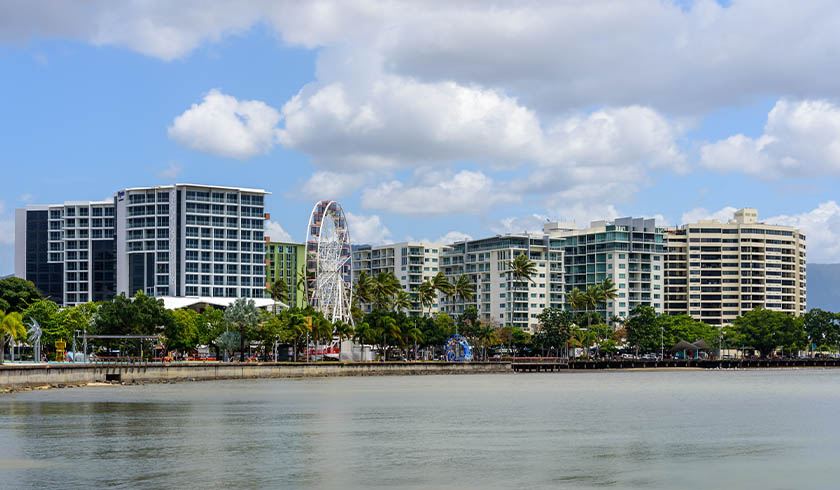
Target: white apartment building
[[499, 298], [717, 271], [67, 250], [411, 262], [629, 250], [191, 240]]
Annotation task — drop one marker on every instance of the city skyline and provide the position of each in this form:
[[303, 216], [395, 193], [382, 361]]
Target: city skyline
[[424, 144]]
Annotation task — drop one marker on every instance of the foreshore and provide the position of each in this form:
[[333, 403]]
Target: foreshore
[[19, 376]]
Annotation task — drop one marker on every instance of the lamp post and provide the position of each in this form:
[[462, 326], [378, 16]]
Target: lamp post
[[661, 342]]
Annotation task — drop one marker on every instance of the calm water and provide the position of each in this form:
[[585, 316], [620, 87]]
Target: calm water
[[697, 429]]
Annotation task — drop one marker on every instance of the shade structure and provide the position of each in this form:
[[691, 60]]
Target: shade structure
[[701, 344], [682, 345]]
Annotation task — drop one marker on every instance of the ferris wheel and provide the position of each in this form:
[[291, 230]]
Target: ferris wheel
[[328, 262]]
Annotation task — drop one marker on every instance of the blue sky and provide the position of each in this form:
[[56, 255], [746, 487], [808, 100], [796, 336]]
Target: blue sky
[[431, 122]]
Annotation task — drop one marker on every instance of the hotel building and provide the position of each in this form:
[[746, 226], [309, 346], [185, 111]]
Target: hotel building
[[287, 263], [499, 297], [67, 250], [411, 262], [717, 271], [175, 240], [630, 251]]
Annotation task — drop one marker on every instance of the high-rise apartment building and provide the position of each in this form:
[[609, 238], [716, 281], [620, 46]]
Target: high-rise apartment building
[[499, 297], [191, 240], [175, 240], [630, 251], [287, 263], [411, 262], [717, 271], [67, 250]]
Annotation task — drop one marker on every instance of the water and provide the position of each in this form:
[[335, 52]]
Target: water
[[665, 429]]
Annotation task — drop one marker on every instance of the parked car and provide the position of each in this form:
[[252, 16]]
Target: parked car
[[650, 357]]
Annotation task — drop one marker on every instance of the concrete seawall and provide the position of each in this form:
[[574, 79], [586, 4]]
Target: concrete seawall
[[54, 374]]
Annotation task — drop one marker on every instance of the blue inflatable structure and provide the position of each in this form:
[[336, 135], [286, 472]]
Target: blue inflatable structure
[[457, 349]]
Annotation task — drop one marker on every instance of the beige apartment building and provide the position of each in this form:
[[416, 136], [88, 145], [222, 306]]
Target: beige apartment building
[[717, 271]]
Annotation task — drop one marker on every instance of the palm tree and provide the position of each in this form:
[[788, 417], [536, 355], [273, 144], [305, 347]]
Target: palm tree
[[243, 314], [442, 284], [414, 336], [402, 300], [343, 331], [387, 328], [384, 287], [11, 325], [522, 268], [484, 334], [427, 294], [464, 288], [364, 288], [278, 292]]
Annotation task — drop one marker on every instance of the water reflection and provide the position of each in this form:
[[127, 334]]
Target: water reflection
[[773, 429]]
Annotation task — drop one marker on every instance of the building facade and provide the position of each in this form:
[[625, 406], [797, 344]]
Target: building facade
[[287, 263], [67, 250], [176, 240], [717, 271], [191, 240], [630, 251], [499, 298], [411, 263]]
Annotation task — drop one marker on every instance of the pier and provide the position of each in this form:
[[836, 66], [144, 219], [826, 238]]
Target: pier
[[552, 364]]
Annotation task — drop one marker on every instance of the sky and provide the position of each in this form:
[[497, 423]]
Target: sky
[[433, 120]]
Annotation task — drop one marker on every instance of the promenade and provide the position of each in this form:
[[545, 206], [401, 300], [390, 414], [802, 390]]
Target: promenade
[[547, 364]]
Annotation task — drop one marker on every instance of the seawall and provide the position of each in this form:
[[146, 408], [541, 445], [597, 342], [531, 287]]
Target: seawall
[[73, 374]]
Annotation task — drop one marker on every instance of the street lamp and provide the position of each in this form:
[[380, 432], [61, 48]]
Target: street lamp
[[661, 342]]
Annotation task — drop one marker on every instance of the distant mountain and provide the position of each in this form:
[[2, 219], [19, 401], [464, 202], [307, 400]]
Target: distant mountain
[[824, 286]]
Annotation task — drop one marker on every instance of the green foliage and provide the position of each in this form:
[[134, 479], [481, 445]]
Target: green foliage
[[643, 332], [244, 315], [140, 315], [17, 293], [11, 326], [555, 329], [181, 334], [822, 327], [44, 312], [766, 331], [522, 268]]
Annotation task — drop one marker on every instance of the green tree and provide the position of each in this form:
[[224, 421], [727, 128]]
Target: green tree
[[426, 294], [45, 312], [211, 324], [766, 330], [11, 327], [228, 341], [139, 315], [384, 287], [463, 287], [442, 284], [342, 330], [643, 333], [278, 292], [821, 327], [243, 315], [364, 288], [181, 334], [17, 293], [522, 268], [555, 328], [401, 301]]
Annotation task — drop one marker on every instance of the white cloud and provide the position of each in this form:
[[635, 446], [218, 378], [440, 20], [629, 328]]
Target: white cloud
[[694, 215], [555, 55], [395, 122], [276, 233], [225, 126], [367, 229], [437, 193], [452, 237], [801, 138], [822, 230], [170, 172], [331, 185]]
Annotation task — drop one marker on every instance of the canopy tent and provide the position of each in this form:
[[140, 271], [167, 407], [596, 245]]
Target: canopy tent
[[201, 302]]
